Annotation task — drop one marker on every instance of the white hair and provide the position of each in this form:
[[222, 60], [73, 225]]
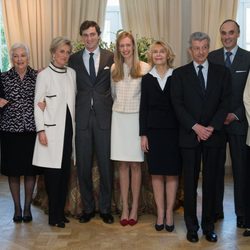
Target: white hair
[[17, 46]]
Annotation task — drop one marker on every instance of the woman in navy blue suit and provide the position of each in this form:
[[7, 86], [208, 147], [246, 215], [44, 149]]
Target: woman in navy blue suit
[[159, 133]]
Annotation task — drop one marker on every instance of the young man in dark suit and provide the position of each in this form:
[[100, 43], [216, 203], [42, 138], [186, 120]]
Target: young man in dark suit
[[93, 120], [238, 61], [200, 94]]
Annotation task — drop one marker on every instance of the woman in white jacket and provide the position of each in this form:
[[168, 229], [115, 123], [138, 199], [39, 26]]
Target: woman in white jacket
[[55, 127]]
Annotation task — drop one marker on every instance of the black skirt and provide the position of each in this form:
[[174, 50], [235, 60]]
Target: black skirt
[[17, 153], [164, 156]]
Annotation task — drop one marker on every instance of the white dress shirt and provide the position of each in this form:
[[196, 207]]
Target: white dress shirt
[[233, 51], [161, 81], [96, 58], [204, 70]]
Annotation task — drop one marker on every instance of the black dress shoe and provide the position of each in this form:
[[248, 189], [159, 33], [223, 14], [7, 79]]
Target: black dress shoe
[[192, 236], [218, 216], [159, 227], [27, 218], [246, 232], [169, 228], [107, 218], [60, 224], [66, 220], [240, 222], [17, 218], [86, 217], [211, 236]]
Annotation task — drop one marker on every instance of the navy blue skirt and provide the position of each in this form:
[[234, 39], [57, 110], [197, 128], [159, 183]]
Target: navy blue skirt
[[164, 156], [17, 153]]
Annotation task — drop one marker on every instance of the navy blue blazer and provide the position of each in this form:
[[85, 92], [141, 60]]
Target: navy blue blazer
[[156, 110], [239, 72], [192, 106]]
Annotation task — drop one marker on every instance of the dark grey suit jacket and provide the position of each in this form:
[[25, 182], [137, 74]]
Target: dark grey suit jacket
[[239, 72], [100, 92], [192, 107]]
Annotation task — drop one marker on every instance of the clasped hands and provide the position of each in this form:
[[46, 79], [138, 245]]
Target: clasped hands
[[202, 132]]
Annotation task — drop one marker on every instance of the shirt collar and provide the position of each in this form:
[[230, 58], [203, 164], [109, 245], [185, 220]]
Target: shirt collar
[[233, 51], [154, 73], [205, 64], [96, 51]]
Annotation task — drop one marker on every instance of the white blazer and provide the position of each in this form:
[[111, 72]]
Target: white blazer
[[58, 89], [246, 99]]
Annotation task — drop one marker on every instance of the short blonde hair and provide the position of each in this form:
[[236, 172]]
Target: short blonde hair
[[167, 48], [57, 42], [19, 46]]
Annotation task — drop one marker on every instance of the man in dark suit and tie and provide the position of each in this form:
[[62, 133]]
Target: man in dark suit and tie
[[200, 94], [238, 61], [93, 120]]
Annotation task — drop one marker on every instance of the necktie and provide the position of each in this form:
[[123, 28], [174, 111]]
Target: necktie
[[92, 68], [228, 60], [201, 78]]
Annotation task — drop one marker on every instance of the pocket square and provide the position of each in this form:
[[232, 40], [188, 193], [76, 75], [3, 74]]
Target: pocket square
[[240, 71], [107, 67]]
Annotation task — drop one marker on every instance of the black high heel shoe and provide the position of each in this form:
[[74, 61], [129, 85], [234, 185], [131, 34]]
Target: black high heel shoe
[[17, 218], [66, 220], [159, 227], [169, 228], [27, 218]]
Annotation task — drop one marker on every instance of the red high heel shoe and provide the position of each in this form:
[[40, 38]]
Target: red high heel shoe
[[124, 222], [132, 222]]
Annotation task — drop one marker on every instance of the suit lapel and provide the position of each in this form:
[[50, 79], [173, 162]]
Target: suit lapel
[[102, 61], [82, 69], [193, 79], [81, 64], [156, 84], [210, 79], [220, 58], [238, 60]]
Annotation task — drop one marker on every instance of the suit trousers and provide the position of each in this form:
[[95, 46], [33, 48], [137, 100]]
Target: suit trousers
[[238, 153], [247, 193], [192, 158], [56, 180], [89, 142]]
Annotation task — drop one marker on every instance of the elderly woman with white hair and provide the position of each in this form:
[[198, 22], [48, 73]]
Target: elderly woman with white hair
[[18, 130]]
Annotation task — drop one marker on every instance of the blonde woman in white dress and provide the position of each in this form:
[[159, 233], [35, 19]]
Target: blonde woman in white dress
[[125, 140]]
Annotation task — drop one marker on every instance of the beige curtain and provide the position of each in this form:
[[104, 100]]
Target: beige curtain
[[158, 19], [37, 22], [207, 16]]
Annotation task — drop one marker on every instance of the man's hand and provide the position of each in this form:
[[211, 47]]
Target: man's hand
[[230, 118], [203, 133]]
